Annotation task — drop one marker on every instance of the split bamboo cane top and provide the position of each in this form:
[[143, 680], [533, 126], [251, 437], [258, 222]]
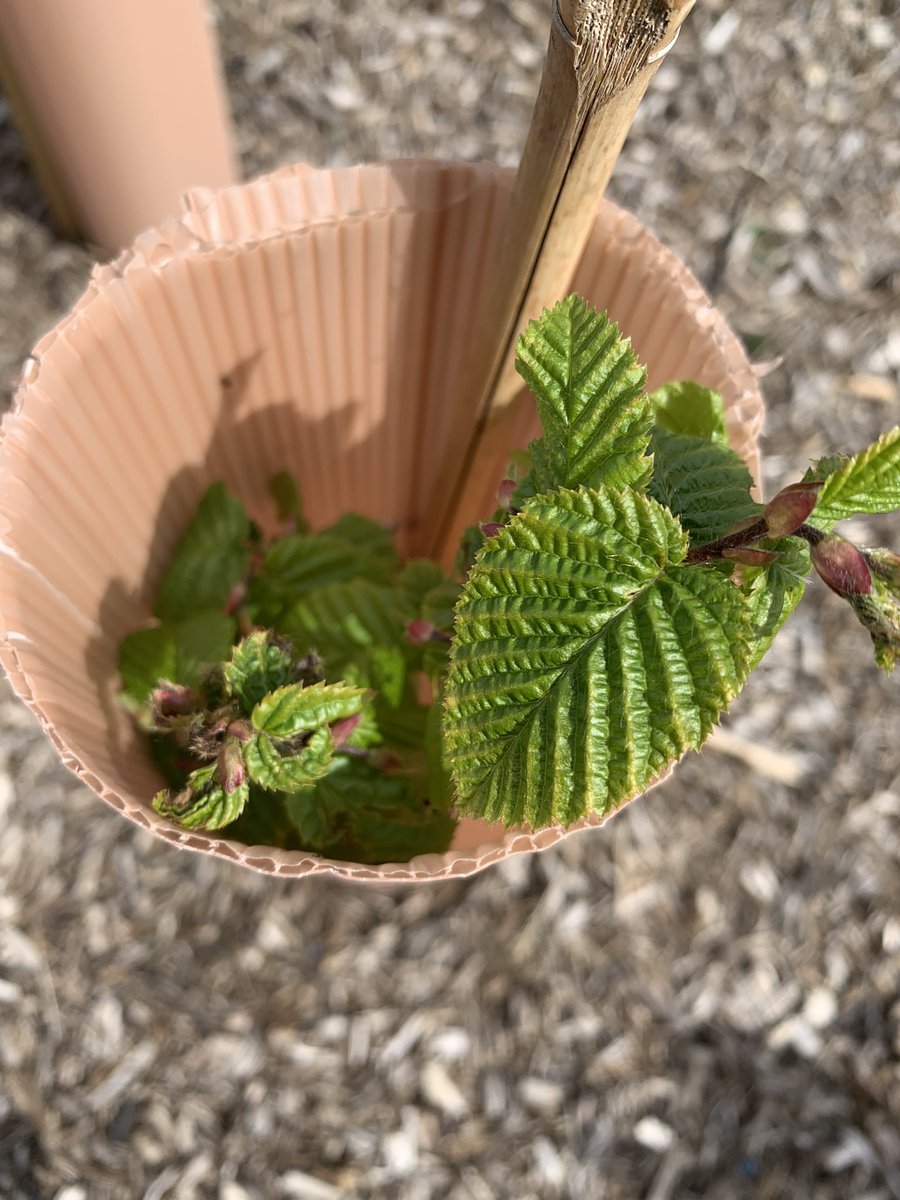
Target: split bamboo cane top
[[601, 57]]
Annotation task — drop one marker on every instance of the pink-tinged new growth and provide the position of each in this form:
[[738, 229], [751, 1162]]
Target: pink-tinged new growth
[[230, 767], [343, 730], [786, 512], [420, 632], [748, 557], [490, 529], [235, 598], [842, 566], [505, 493], [173, 700]]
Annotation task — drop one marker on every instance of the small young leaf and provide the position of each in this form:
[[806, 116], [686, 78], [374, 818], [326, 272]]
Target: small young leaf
[[585, 660], [774, 591], [706, 485], [692, 410], [588, 386], [211, 558], [297, 709], [869, 482], [288, 500], [177, 652], [259, 665], [203, 802], [277, 768]]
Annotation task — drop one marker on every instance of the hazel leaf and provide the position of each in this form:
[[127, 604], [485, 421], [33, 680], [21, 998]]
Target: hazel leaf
[[689, 409], [296, 709], [868, 482], [203, 803], [210, 560], [259, 665], [179, 652], [278, 768], [589, 389]]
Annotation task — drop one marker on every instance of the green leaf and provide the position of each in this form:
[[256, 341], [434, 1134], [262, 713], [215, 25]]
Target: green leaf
[[297, 709], [288, 500], [774, 591], [439, 603], [258, 665], [373, 542], [203, 803], [440, 785], [312, 814], [371, 817], [264, 821], [869, 482], [277, 768], [690, 409], [417, 579], [585, 659], [211, 558], [177, 652], [706, 485], [343, 619], [295, 565], [387, 671], [588, 386]]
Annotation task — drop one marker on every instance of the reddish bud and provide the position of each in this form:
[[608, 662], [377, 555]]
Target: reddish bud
[[744, 525], [842, 566], [786, 512], [242, 730], [343, 730], [490, 529], [419, 632], [505, 493], [172, 700], [230, 767], [235, 598], [750, 558]]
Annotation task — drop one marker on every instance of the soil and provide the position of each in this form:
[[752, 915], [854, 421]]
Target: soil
[[701, 1001]]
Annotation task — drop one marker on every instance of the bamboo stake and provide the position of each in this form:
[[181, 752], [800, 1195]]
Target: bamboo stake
[[601, 57]]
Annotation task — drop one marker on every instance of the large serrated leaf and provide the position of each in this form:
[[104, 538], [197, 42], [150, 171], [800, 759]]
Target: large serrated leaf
[[588, 386], [297, 709], [706, 485], [176, 651], [585, 659], [372, 541], [211, 558], [868, 482]]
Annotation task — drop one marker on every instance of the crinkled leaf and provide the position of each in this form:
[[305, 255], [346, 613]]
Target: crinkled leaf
[[288, 500], [203, 803], [589, 389], [706, 485], [690, 409], [440, 785], [313, 817], [585, 659], [264, 821], [277, 768], [868, 482], [211, 558], [258, 665], [176, 651], [297, 709]]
